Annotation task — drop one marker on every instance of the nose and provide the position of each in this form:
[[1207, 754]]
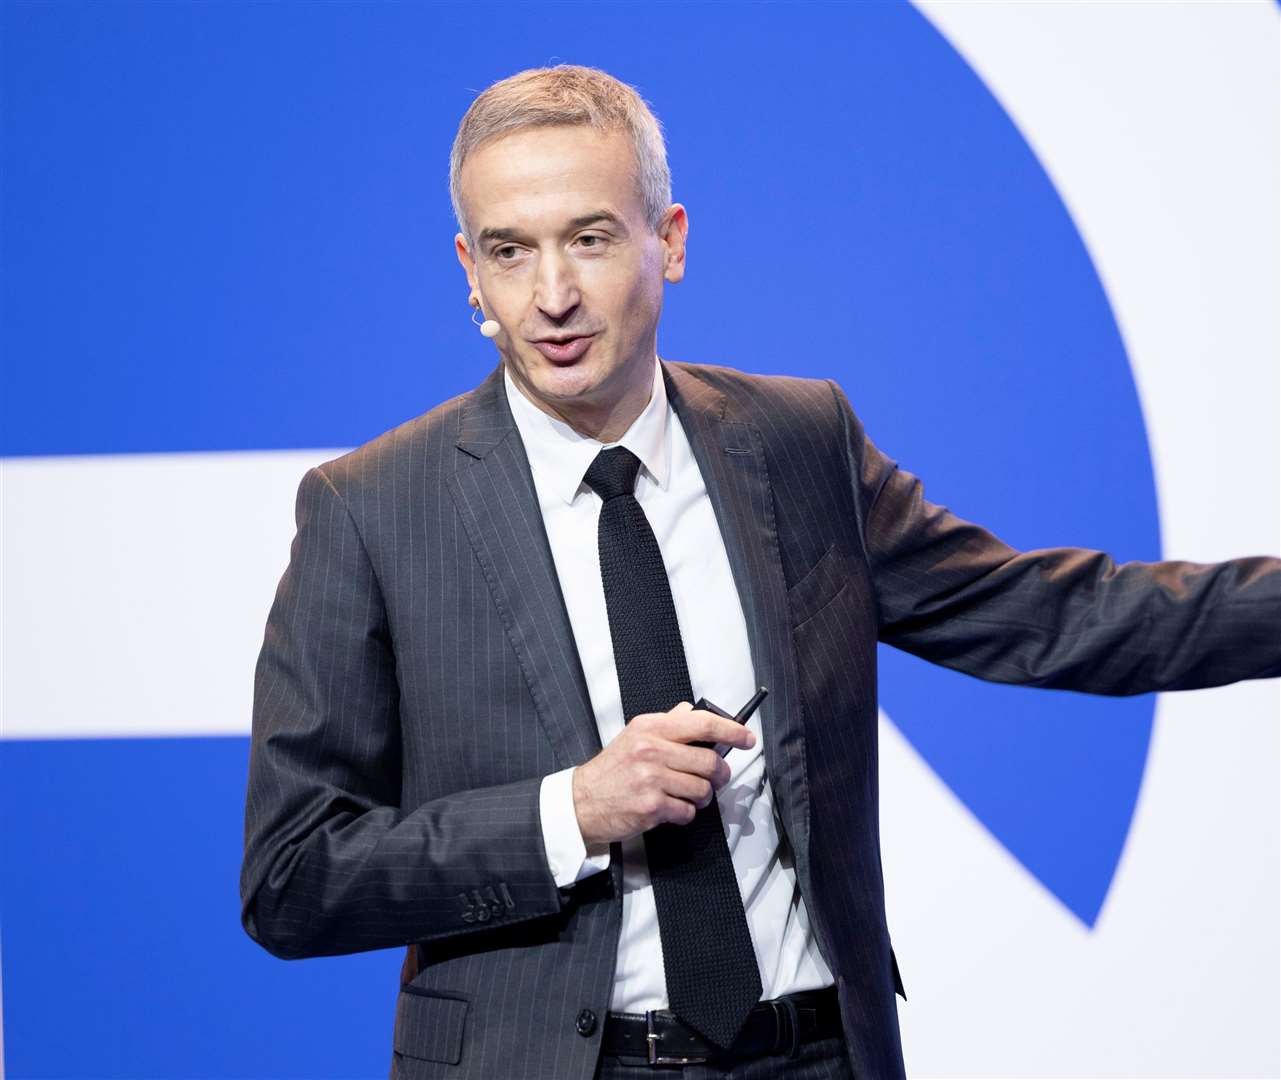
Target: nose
[[556, 288]]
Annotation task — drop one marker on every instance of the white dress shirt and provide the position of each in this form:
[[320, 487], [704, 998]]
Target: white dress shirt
[[670, 489]]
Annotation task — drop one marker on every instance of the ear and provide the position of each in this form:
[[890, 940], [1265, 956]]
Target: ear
[[464, 257], [672, 231]]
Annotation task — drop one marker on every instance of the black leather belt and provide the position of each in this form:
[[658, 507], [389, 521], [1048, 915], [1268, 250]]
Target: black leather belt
[[778, 1026]]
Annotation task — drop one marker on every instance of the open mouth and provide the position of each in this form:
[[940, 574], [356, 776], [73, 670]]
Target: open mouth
[[562, 352]]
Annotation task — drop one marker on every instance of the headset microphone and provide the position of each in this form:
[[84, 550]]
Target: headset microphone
[[489, 328]]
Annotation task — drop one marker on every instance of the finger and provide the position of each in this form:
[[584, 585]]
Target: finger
[[658, 721], [697, 761], [699, 725], [708, 727], [692, 789], [678, 811]]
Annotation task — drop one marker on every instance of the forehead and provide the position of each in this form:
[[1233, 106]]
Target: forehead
[[536, 175]]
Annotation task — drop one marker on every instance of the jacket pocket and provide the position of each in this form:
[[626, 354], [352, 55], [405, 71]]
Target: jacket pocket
[[818, 586], [430, 1026]]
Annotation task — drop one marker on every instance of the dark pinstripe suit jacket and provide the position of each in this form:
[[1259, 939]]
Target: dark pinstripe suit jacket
[[418, 678]]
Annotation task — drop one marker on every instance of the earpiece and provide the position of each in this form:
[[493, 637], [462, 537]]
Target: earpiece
[[489, 328]]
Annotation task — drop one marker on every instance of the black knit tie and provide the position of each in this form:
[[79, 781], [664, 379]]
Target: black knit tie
[[712, 977]]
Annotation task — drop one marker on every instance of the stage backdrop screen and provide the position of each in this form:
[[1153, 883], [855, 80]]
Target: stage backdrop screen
[[1036, 245]]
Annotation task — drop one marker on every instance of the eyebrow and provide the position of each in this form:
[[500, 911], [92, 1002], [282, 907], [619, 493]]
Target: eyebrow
[[596, 217]]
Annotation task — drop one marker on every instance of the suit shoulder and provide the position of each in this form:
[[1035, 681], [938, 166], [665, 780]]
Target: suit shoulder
[[411, 446], [777, 398]]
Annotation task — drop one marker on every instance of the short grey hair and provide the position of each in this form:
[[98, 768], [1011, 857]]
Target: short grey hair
[[566, 94]]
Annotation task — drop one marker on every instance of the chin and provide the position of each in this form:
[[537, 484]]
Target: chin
[[565, 383]]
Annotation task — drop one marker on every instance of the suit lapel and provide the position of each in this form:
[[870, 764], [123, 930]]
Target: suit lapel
[[494, 491], [731, 456]]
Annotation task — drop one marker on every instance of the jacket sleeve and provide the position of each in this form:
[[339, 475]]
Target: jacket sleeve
[[332, 862], [1068, 618]]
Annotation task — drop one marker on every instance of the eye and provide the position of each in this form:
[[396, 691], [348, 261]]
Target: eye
[[510, 250], [595, 240]]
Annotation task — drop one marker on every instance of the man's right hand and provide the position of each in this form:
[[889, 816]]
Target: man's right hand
[[649, 775]]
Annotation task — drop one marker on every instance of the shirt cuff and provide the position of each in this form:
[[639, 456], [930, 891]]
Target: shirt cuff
[[567, 855]]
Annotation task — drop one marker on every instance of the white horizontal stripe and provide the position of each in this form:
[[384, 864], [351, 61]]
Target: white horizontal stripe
[[136, 588]]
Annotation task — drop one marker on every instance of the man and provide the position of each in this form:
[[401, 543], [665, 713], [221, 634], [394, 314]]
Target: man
[[473, 728]]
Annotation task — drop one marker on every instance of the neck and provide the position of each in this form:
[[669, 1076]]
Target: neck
[[605, 421]]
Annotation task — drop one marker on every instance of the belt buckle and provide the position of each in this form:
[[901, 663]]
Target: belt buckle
[[786, 1019], [651, 1046]]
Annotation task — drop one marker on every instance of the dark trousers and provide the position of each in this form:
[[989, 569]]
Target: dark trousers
[[822, 1059]]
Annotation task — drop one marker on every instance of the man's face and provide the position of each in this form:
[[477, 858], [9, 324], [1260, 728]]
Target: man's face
[[564, 260]]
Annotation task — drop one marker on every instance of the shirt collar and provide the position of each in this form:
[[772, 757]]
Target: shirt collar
[[560, 456]]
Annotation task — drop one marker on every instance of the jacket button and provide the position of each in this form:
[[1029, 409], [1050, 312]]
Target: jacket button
[[586, 1023]]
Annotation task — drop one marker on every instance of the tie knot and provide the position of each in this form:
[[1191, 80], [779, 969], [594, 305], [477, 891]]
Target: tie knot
[[613, 473]]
